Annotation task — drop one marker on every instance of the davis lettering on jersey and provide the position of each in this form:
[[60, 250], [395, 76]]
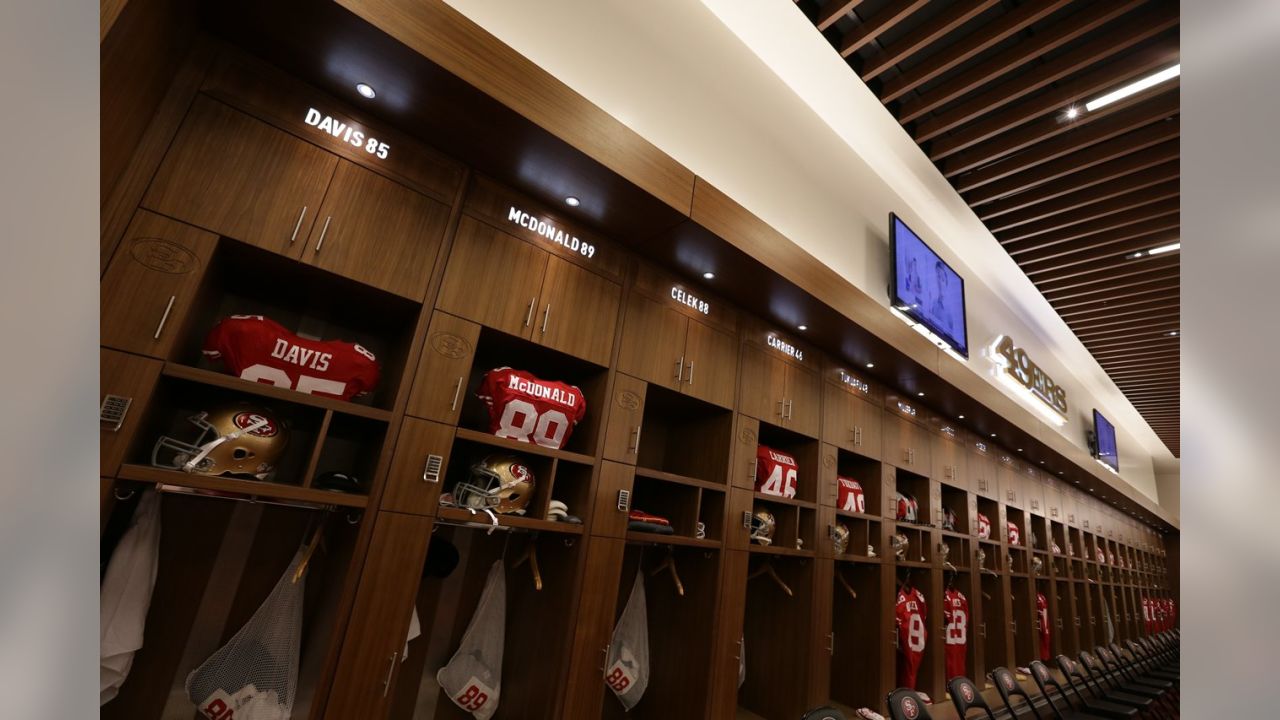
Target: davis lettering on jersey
[[551, 232], [539, 390], [290, 353], [785, 347], [685, 298], [346, 133]]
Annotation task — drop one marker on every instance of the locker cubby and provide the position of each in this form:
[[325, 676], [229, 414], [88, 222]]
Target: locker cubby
[[711, 514], [1017, 561], [1038, 535], [1075, 543], [1018, 519], [246, 280], [684, 436], [467, 452], [855, 669], [681, 628], [176, 400], [218, 561], [571, 485], [920, 548], [957, 501], [989, 509], [868, 473], [1060, 567], [1065, 632], [787, 523], [806, 530], [351, 445], [806, 452], [916, 486], [1026, 643], [863, 532], [989, 632], [496, 349], [928, 677], [959, 551], [1049, 589], [1058, 536], [673, 501], [776, 632], [989, 556]]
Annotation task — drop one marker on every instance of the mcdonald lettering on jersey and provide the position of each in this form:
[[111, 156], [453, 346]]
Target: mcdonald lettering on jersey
[[551, 232], [539, 390]]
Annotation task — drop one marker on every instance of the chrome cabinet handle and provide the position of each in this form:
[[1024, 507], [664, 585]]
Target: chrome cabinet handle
[[857, 435], [391, 668], [323, 231], [546, 315], [680, 369], [831, 643], [635, 443], [790, 408], [528, 317], [751, 464], [782, 409], [690, 380], [457, 390], [165, 317], [298, 225], [983, 626], [739, 655]]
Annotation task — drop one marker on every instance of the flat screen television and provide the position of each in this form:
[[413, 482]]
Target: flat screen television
[[1104, 441], [925, 288]]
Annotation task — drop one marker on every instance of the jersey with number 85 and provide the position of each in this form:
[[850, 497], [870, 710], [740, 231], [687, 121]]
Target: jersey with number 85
[[258, 349], [524, 408]]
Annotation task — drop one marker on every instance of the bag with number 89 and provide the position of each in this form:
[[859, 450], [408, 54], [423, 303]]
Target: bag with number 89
[[473, 676]]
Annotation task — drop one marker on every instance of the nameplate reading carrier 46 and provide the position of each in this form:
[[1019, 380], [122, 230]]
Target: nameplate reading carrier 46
[[1015, 364]]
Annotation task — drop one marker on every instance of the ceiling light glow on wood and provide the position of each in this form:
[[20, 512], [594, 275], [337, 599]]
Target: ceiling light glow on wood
[[1153, 251], [572, 201], [1133, 88], [708, 275], [366, 90]]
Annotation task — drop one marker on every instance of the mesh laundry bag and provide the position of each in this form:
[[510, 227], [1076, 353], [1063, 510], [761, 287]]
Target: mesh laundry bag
[[627, 673], [125, 596], [473, 676], [255, 675]]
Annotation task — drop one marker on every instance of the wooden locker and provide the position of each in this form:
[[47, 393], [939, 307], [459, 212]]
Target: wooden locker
[[478, 252], [850, 422], [609, 516], [150, 284], [742, 468], [1010, 478], [950, 462], [653, 342], [982, 475], [241, 178], [585, 685], [906, 444], [375, 636], [578, 312], [133, 379], [440, 381], [418, 467], [804, 400], [377, 232], [762, 387], [625, 419], [712, 357], [729, 645]]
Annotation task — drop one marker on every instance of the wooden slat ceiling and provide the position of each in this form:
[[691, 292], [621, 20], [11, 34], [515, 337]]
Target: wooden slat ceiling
[[984, 87]]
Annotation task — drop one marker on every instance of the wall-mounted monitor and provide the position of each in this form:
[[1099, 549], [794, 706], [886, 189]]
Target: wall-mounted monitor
[[1104, 442], [925, 288]]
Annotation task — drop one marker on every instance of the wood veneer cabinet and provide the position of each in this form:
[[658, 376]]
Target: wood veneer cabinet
[[131, 378], [907, 444], [850, 422], [779, 392]]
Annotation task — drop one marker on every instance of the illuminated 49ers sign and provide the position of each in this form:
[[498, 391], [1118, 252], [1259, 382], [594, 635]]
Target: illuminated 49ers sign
[[1019, 366]]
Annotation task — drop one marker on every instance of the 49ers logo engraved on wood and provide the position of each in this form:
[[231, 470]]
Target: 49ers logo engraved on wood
[[628, 400], [249, 419], [163, 256], [450, 345]]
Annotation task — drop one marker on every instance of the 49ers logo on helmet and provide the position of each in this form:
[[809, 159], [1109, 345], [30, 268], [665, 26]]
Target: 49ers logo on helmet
[[519, 472], [910, 708], [966, 690], [249, 419], [1008, 681]]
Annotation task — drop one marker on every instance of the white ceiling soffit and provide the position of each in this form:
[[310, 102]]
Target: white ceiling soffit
[[749, 96]]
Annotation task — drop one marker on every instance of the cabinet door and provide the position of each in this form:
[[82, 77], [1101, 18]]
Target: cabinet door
[[982, 475], [906, 444], [624, 419], [149, 286], [653, 342], [130, 377], [362, 685], [822, 640], [950, 462], [1010, 482], [763, 386], [579, 312], [418, 467], [609, 517], [711, 373], [585, 689], [804, 400], [850, 422], [377, 232], [512, 269], [440, 382], [742, 469], [241, 178], [728, 650]]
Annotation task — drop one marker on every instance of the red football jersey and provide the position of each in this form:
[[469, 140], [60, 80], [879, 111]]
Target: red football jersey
[[908, 508], [984, 527], [776, 472], [1042, 617], [256, 348], [850, 495], [955, 608], [524, 408], [1014, 538], [909, 616], [1102, 558]]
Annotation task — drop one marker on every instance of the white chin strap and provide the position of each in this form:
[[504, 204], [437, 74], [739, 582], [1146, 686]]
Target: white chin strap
[[208, 447]]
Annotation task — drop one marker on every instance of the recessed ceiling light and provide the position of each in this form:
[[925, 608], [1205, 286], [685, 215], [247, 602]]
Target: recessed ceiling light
[[959, 417], [1073, 112], [920, 394], [1019, 449], [871, 365], [366, 90], [1133, 88], [1041, 462], [708, 275], [1153, 251], [572, 201], [802, 327], [1172, 333], [993, 434]]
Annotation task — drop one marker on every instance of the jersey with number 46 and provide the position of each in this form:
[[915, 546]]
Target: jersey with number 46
[[955, 613], [909, 615], [776, 472], [256, 348], [524, 408], [851, 497]]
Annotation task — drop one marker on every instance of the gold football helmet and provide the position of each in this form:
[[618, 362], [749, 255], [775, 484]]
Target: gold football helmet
[[236, 439], [501, 483], [900, 543], [840, 537], [762, 526]]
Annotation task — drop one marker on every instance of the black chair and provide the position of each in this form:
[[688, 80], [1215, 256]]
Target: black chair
[[1150, 663], [1094, 706], [1044, 679], [1113, 660], [906, 704], [1009, 687], [1106, 688], [823, 713], [965, 696]]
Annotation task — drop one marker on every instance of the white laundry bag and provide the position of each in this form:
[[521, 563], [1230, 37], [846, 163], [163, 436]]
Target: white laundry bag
[[627, 667], [125, 596], [473, 676]]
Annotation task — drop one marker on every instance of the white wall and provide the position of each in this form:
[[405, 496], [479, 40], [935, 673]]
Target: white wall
[[747, 95]]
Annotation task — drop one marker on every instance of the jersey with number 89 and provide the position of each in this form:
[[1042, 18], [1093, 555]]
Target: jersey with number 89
[[909, 616], [524, 408], [259, 349], [776, 472], [955, 609]]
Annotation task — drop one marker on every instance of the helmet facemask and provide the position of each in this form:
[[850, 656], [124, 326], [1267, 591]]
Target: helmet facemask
[[227, 450]]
